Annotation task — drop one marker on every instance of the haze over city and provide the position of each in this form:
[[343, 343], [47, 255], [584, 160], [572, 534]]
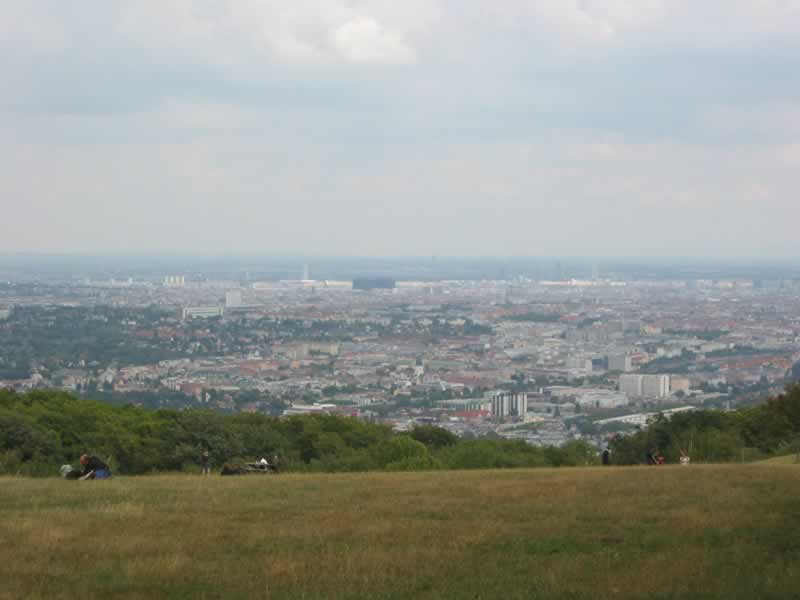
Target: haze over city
[[442, 299], [372, 128]]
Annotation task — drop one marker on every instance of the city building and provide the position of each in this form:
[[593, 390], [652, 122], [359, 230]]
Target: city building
[[310, 409], [202, 312], [579, 363], [655, 386], [620, 362], [303, 350], [463, 404], [174, 281], [233, 299], [631, 385], [603, 399], [644, 386], [507, 404]]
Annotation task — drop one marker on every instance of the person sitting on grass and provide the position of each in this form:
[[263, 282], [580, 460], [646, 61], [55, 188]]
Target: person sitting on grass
[[94, 468]]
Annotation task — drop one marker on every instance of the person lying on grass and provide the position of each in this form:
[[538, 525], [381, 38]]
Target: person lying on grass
[[67, 472], [94, 468]]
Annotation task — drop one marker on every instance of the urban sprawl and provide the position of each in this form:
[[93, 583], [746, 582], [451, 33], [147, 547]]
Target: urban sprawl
[[546, 362]]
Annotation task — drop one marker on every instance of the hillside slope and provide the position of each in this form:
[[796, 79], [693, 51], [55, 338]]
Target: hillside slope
[[657, 532]]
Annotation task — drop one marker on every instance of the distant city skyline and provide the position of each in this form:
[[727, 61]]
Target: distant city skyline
[[602, 128], [246, 269]]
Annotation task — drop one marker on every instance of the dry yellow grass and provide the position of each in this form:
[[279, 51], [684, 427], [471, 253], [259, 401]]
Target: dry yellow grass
[[671, 532]]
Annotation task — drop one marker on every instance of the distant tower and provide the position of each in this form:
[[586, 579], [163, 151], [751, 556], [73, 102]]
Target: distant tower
[[305, 272]]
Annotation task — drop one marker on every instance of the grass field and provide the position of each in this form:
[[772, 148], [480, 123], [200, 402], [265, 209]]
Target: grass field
[[789, 459], [658, 532]]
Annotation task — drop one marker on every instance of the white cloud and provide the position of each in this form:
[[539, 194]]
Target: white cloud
[[244, 32], [234, 33], [363, 40]]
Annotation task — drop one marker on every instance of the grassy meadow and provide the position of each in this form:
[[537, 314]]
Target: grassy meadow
[[789, 459], [638, 532]]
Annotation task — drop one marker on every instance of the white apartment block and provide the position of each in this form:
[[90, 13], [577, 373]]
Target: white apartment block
[[507, 404], [644, 386], [655, 386], [631, 385]]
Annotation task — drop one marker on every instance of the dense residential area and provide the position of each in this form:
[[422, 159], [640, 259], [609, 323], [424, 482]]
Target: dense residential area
[[543, 361]]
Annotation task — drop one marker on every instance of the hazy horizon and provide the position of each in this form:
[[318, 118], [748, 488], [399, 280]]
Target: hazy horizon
[[594, 128]]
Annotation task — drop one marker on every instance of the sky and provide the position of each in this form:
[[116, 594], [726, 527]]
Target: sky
[[423, 127]]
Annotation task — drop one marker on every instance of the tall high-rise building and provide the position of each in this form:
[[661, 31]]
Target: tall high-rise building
[[508, 404], [305, 272]]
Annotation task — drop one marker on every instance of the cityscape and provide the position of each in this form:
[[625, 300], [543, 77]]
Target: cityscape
[[587, 356], [430, 300]]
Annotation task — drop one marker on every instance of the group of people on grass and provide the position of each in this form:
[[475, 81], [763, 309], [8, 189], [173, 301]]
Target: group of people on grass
[[94, 468], [91, 468], [654, 457]]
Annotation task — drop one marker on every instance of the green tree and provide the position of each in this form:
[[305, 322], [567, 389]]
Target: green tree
[[433, 437]]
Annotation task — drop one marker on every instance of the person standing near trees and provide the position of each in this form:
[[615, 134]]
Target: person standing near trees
[[205, 463]]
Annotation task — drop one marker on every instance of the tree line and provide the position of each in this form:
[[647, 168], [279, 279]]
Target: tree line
[[769, 429], [41, 430]]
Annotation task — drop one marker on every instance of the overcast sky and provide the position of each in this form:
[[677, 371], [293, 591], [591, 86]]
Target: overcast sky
[[413, 127]]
